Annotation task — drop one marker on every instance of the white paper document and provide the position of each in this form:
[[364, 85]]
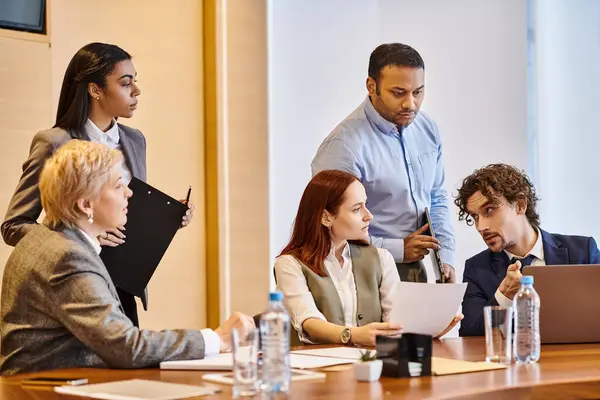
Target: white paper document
[[137, 389], [296, 375], [302, 361], [218, 362], [351, 353], [224, 362], [426, 308]]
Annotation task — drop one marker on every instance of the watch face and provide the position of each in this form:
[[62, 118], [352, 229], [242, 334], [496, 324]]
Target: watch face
[[345, 336]]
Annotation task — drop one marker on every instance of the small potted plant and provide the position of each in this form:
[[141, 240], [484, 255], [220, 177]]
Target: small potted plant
[[368, 368]]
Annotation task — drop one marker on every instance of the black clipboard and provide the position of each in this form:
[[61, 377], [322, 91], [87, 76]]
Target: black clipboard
[[435, 254], [153, 218]]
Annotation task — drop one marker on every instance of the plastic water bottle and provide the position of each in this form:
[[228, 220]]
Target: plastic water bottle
[[526, 305], [275, 343]]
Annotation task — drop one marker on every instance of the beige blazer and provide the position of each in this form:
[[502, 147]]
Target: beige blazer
[[25, 205], [60, 309]]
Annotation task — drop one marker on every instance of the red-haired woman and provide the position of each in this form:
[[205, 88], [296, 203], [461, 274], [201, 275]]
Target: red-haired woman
[[337, 288]]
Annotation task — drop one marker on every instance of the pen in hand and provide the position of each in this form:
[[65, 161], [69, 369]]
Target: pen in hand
[[187, 198], [189, 212]]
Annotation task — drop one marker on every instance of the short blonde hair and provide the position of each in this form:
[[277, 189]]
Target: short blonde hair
[[79, 169]]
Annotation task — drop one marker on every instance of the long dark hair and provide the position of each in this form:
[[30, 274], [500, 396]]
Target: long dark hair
[[311, 241], [91, 64]]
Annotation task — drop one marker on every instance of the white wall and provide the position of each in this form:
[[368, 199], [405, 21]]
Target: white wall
[[567, 36], [476, 77], [317, 70]]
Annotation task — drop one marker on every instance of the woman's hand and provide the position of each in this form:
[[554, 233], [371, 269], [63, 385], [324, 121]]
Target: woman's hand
[[366, 335], [452, 324], [112, 237], [189, 214]]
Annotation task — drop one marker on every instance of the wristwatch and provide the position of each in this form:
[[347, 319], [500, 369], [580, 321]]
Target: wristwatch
[[346, 336]]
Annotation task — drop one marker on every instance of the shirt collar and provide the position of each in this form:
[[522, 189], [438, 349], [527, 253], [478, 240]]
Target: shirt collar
[[93, 241], [381, 123], [96, 134], [345, 252], [537, 250]]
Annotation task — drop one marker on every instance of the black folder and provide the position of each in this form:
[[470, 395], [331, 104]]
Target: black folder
[[153, 218]]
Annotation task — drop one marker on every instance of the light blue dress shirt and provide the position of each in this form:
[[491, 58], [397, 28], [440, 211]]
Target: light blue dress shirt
[[402, 174]]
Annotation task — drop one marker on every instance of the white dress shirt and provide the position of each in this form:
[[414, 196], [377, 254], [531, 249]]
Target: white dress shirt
[[537, 251], [212, 341], [109, 138], [300, 303], [93, 241]]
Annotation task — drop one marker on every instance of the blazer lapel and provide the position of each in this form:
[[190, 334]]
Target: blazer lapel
[[499, 264], [76, 235], [554, 253], [129, 152]]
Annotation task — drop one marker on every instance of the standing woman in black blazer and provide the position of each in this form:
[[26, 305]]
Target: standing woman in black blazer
[[99, 87]]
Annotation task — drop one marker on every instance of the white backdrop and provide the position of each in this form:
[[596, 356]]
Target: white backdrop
[[475, 56], [567, 34]]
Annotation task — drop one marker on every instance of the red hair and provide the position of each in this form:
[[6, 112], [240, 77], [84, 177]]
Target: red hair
[[311, 240]]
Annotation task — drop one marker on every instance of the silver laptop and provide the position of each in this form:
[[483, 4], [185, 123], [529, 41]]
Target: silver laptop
[[570, 302]]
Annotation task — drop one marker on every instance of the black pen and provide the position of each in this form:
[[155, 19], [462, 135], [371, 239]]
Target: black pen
[[187, 199]]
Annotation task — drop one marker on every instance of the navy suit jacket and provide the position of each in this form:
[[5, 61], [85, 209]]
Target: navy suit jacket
[[484, 272]]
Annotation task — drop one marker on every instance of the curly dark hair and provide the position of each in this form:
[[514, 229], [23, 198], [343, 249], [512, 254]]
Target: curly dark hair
[[495, 181]]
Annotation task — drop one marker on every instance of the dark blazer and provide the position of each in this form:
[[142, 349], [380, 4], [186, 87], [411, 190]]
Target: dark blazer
[[25, 206], [484, 272], [60, 309]]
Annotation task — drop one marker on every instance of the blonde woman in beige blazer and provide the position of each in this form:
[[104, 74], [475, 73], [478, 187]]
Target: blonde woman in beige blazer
[[59, 307]]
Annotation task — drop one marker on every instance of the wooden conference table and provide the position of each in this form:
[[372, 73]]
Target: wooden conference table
[[564, 371]]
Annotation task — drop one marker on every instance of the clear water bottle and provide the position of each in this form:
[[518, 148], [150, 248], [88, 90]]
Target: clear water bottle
[[526, 305], [275, 343]]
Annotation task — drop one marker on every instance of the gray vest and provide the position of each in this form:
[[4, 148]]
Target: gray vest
[[366, 267]]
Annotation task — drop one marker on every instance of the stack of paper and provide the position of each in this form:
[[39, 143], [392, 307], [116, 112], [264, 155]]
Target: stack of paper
[[351, 353], [224, 362]]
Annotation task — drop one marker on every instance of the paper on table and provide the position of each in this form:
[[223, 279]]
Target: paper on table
[[351, 353], [224, 362], [445, 366], [137, 389], [426, 308], [296, 375], [302, 361], [218, 362]]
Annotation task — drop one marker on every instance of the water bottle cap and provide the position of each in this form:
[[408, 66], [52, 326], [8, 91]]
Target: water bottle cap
[[275, 296], [527, 280]]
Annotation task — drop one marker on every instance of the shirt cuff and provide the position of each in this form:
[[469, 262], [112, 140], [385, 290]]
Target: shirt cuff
[[297, 325], [212, 342], [502, 300], [447, 257], [394, 246]]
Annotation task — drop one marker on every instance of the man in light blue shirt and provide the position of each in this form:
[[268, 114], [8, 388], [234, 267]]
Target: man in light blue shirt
[[396, 152]]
